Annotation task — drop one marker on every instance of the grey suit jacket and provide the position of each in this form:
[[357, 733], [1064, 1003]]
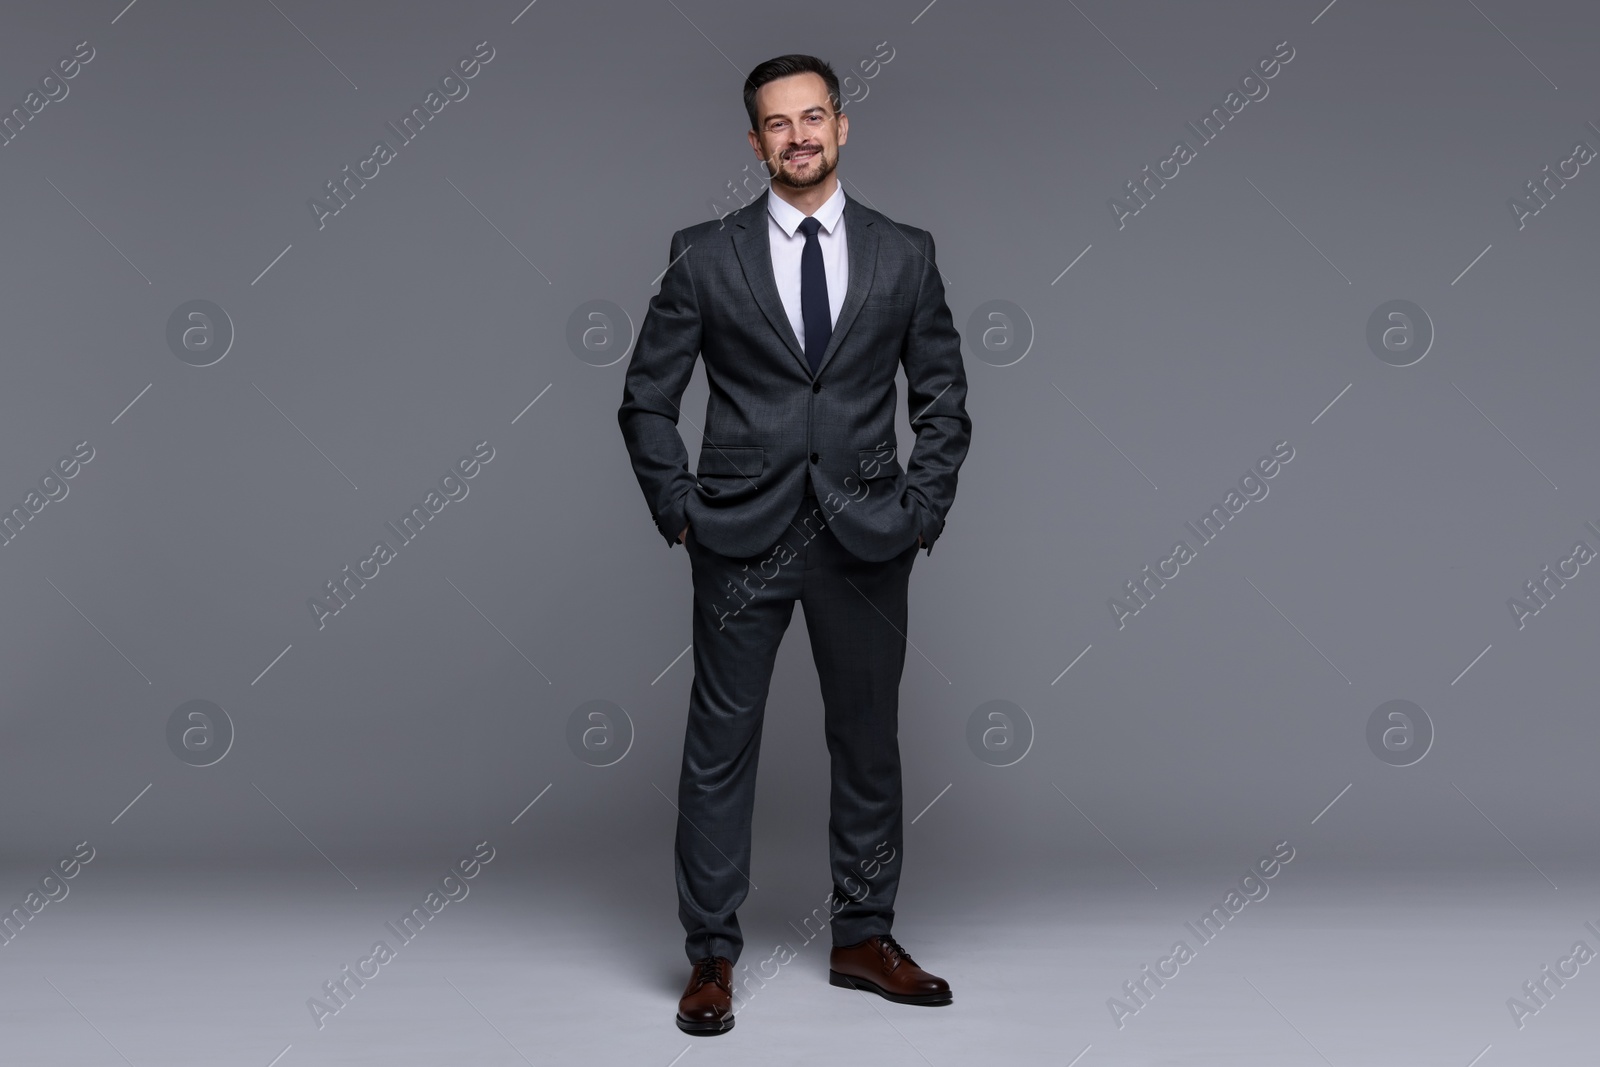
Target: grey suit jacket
[[770, 425]]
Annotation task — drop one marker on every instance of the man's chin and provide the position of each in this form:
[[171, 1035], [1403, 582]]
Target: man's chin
[[805, 180]]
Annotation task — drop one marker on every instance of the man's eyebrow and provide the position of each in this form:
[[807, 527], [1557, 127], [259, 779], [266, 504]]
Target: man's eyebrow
[[805, 111]]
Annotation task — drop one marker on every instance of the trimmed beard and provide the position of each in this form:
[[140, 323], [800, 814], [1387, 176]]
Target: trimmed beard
[[826, 168]]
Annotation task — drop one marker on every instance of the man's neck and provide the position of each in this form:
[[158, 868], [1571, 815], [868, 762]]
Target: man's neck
[[807, 200]]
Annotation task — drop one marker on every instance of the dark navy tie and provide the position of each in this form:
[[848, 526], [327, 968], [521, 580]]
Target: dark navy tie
[[814, 296]]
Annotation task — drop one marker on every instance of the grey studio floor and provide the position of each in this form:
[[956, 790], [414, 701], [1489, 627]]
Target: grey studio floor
[[177, 965]]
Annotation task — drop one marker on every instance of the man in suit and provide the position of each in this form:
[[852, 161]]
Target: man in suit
[[803, 305]]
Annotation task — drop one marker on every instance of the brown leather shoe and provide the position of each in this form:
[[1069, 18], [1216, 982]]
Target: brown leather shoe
[[706, 1007], [879, 965]]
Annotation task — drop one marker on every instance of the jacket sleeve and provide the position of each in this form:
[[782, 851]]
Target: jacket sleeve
[[936, 397], [658, 372]]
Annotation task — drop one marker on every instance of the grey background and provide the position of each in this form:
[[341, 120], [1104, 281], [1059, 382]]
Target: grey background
[[407, 329], [1215, 324]]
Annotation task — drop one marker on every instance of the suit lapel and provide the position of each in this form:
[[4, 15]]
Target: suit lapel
[[754, 249], [861, 240], [755, 257]]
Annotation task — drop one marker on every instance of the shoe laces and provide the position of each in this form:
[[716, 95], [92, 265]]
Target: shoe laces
[[709, 970], [891, 949]]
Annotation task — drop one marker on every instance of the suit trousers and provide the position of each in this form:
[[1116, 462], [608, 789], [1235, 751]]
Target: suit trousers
[[855, 615]]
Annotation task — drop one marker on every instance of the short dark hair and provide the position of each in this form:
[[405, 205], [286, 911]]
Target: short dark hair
[[782, 67]]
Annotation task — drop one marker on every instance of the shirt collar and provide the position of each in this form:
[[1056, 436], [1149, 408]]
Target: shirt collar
[[788, 216]]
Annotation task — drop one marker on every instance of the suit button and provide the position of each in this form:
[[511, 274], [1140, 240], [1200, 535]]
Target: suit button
[[816, 387], [814, 457]]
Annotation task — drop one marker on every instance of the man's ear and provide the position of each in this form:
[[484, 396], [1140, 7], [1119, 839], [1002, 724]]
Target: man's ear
[[844, 127]]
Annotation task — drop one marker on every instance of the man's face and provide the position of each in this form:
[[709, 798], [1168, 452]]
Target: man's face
[[799, 133]]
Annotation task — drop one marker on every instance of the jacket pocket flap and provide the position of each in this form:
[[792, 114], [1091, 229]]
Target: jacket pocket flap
[[736, 460]]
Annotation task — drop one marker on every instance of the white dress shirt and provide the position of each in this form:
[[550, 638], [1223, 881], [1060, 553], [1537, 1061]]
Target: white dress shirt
[[787, 242]]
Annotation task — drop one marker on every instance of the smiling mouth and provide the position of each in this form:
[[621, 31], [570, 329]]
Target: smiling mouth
[[802, 156]]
